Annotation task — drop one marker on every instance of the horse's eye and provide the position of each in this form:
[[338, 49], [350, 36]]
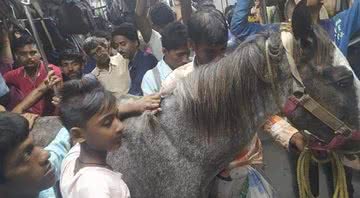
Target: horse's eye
[[344, 82]]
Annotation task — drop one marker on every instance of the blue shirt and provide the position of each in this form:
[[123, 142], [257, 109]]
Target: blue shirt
[[340, 27], [3, 87], [141, 63], [57, 149]]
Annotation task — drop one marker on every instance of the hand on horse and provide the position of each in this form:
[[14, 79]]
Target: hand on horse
[[298, 141], [149, 103]]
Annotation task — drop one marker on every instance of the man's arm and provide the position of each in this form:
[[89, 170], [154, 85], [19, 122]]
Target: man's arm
[[50, 81], [6, 57], [186, 10], [346, 23], [146, 103], [142, 22], [240, 26]]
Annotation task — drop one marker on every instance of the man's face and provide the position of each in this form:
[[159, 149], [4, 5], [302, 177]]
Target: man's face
[[104, 130], [208, 53], [177, 57], [124, 46], [27, 167], [28, 56], [71, 69], [101, 53]]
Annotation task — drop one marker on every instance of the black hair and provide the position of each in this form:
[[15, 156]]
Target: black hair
[[81, 100], [22, 41], [127, 30], [161, 14], [72, 54], [174, 36], [102, 34], [208, 26], [92, 42], [14, 130]]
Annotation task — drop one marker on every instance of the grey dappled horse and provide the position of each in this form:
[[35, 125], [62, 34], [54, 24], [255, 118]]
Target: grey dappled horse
[[211, 116]]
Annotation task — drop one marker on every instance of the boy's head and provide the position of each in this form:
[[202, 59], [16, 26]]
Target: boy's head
[[208, 33], [90, 113], [24, 168], [312, 3], [174, 38], [71, 64], [125, 40], [98, 49], [161, 15], [26, 52]]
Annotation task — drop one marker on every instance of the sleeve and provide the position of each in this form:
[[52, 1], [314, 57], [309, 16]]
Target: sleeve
[[147, 83], [346, 23], [240, 26], [3, 87], [58, 148], [155, 45], [280, 130]]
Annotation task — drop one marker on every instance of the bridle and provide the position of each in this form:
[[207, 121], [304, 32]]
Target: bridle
[[299, 98]]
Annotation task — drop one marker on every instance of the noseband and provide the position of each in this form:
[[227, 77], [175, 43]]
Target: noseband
[[299, 98]]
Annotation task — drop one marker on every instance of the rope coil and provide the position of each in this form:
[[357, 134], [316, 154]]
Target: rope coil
[[339, 177]]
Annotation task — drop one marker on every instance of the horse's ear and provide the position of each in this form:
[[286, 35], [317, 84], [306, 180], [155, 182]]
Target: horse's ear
[[302, 25]]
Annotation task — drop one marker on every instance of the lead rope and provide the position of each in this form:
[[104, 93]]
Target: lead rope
[[338, 171]]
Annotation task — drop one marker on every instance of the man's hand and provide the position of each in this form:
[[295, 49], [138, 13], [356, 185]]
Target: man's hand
[[56, 101], [31, 118], [298, 140], [52, 81], [148, 103]]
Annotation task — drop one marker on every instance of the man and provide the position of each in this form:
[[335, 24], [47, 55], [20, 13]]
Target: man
[[112, 72], [125, 40], [26, 170], [208, 35], [71, 64], [30, 75], [174, 38], [160, 15]]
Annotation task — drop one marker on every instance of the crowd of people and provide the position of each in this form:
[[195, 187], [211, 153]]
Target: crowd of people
[[142, 61]]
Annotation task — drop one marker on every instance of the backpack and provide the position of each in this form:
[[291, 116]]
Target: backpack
[[76, 17]]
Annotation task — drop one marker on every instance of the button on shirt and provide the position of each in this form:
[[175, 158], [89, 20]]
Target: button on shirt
[[25, 84], [149, 83], [141, 63]]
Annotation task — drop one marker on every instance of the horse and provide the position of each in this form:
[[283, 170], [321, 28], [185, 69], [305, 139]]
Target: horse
[[216, 110]]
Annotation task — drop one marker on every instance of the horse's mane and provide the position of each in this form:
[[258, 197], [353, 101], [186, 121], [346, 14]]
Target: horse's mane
[[223, 96], [220, 97]]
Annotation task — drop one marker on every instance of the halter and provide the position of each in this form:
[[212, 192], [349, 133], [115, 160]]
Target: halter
[[300, 98]]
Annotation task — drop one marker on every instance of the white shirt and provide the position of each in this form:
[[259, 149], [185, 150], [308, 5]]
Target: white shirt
[[155, 45], [148, 84], [90, 182], [117, 78]]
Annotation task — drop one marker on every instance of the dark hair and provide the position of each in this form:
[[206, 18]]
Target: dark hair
[[161, 14], [71, 54], [208, 26], [14, 129], [81, 100], [174, 36], [127, 30], [91, 43], [102, 34], [22, 41]]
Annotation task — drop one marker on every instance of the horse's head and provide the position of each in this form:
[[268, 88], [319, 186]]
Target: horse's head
[[331, 86]]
